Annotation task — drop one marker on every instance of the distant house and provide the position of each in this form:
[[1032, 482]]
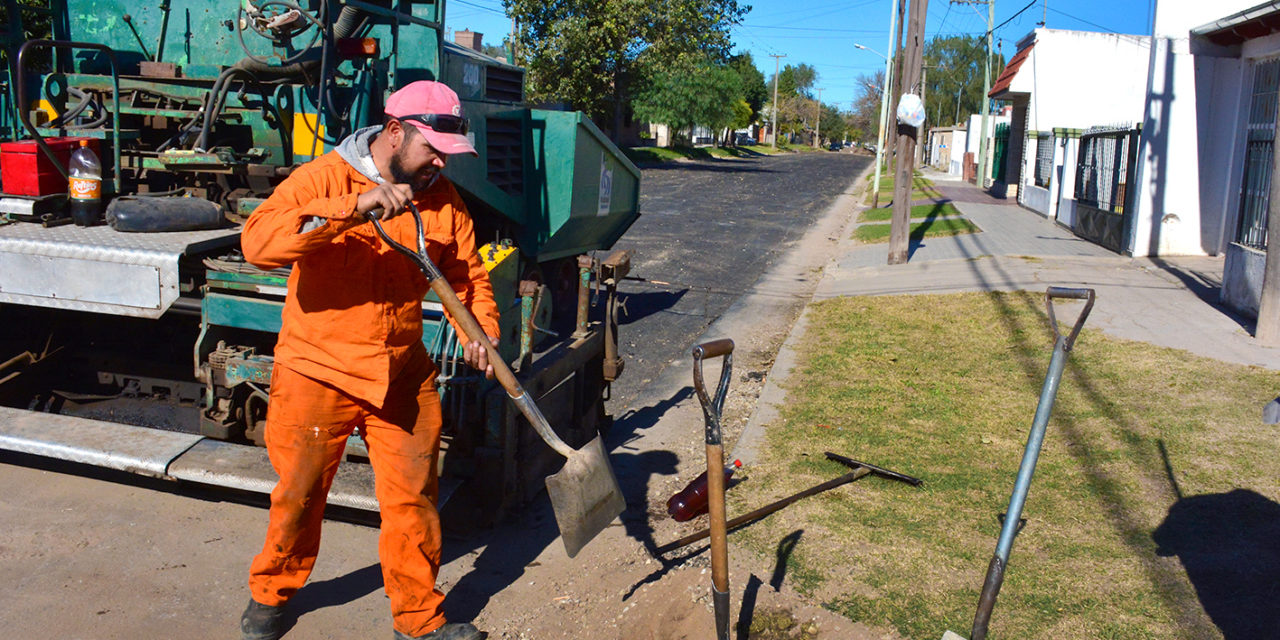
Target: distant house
[[946, 149]]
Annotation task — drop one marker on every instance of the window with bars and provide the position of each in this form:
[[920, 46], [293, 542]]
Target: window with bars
[[1044, 158], [1260, 135]]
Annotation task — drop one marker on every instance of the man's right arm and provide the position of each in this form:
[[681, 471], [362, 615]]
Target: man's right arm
[[295, 221]]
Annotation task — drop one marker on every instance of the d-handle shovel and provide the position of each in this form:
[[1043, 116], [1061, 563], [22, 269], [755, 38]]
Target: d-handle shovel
[[715, 475], [1048, 393], [584, 493]]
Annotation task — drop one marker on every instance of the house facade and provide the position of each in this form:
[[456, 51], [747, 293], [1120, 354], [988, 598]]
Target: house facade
[[1061, 84], [1208, 139]]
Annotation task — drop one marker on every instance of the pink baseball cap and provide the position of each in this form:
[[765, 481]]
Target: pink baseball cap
[[434, 109]]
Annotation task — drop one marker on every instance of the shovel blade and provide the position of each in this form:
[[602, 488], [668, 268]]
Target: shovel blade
[[585, 496]]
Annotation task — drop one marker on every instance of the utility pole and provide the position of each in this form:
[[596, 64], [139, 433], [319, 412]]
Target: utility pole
[[907, 137], [1267, 331], [986, 88], [817, 124], [777, 59], [924, 128], [897, 83], [882, 137]]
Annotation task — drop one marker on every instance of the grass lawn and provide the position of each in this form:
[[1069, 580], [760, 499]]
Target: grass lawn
[[922, 189], [657, 155], [1154, 500], [885, 214], [932, 227]]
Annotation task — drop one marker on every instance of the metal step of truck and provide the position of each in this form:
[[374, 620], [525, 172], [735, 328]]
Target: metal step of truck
[[180, 457]]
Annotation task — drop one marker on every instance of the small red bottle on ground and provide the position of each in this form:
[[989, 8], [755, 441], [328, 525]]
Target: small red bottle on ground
[[692, 500]]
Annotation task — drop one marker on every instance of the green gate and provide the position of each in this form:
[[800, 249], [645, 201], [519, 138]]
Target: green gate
[[1001, 152]]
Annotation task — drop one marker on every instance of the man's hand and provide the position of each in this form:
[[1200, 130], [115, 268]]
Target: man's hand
[[474, 354], [392, 199]]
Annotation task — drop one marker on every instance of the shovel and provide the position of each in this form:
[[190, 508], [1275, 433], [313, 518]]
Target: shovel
[[1013, 516], [715, 475], [584, 493]]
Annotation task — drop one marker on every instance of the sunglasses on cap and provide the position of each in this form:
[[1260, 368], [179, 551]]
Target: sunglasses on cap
[[439, 122]]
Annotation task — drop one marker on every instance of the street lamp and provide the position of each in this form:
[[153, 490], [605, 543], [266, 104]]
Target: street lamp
[[884, 108]]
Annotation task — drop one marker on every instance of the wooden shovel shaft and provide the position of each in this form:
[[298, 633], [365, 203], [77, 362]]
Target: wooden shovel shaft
[[716, 511]]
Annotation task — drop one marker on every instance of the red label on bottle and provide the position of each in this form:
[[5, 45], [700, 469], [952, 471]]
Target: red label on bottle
[[86, 188]]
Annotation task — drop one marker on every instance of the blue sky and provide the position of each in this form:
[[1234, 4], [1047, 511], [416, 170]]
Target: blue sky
[[821, 33]]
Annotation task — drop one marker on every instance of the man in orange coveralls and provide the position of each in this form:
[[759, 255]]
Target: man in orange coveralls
[[350, 351]]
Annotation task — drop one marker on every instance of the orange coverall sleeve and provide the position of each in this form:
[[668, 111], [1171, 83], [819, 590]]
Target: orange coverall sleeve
[[464, 270], [274, 235]]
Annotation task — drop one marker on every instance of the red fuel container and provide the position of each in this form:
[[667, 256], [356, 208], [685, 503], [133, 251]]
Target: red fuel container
[[26, 171]]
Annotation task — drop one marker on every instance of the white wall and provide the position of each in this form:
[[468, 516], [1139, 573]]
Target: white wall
[[1080, 79], [1191, 147]]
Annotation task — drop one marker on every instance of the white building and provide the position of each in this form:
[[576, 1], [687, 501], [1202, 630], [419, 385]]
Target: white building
[[1062, 83], [1208, 138]]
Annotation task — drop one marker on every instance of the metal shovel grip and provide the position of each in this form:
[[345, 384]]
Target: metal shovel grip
[[711, 406], [1068, 294], [463, 316]]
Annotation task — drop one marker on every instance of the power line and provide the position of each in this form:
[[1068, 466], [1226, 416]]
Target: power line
[[1029, 5], [480, 6], [1092, 24]]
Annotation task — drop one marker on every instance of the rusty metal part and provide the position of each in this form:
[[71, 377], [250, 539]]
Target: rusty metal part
[[585, 266], [880, 471], [612, 270], [757, 514]]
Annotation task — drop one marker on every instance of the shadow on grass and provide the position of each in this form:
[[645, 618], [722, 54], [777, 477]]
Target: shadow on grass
[[1229, 544]]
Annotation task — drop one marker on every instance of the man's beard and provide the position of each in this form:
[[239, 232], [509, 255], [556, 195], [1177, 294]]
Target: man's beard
[[400, 175]]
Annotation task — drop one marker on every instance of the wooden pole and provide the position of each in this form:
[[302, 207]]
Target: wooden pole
[[912, 63], [1268, 329]]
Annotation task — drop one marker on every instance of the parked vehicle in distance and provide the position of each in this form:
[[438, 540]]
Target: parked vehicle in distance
[[835, 146]]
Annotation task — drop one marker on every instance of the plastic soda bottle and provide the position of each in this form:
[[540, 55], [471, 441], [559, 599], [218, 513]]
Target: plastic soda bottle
[[85, 186], [692, 500]]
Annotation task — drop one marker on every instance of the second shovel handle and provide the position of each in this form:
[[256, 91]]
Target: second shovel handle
[[1087, 295]]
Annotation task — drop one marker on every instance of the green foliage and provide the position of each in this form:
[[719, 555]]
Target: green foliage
[[754, 91], [931, 227], [742, 115], [697, 92], [590, 53], [955, 77]]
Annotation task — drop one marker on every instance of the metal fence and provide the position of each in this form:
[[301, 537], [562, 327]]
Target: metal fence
[[1044, 158], [1255, 193], [1105, 163]]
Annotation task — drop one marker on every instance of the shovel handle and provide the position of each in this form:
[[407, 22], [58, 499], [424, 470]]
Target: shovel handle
[[711, 406], [714, 348], [465, 319], [1067, 293]]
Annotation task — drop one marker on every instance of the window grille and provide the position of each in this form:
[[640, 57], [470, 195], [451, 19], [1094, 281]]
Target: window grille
[[1044, 158], [1255, 193]]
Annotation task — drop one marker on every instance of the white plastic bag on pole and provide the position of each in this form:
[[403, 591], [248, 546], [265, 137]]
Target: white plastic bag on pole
[[910, 110]]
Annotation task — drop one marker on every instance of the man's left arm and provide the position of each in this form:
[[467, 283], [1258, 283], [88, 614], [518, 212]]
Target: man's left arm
[[465, 272]]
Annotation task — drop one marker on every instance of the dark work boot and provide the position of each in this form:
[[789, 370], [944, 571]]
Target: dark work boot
[[261, 622], [450, 631]]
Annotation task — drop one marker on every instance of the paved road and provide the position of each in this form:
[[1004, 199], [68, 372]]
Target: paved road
[[712, 229]]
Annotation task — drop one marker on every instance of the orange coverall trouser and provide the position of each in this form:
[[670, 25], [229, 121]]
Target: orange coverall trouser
[[308, 423]]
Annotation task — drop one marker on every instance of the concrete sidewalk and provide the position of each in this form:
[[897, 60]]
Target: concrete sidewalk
[[1171, 302]]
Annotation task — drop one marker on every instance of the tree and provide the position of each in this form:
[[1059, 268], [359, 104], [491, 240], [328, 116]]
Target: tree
[[795, 81], [591, 53], [955, 77], [754, 91], [696, 92], [833, 123]]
